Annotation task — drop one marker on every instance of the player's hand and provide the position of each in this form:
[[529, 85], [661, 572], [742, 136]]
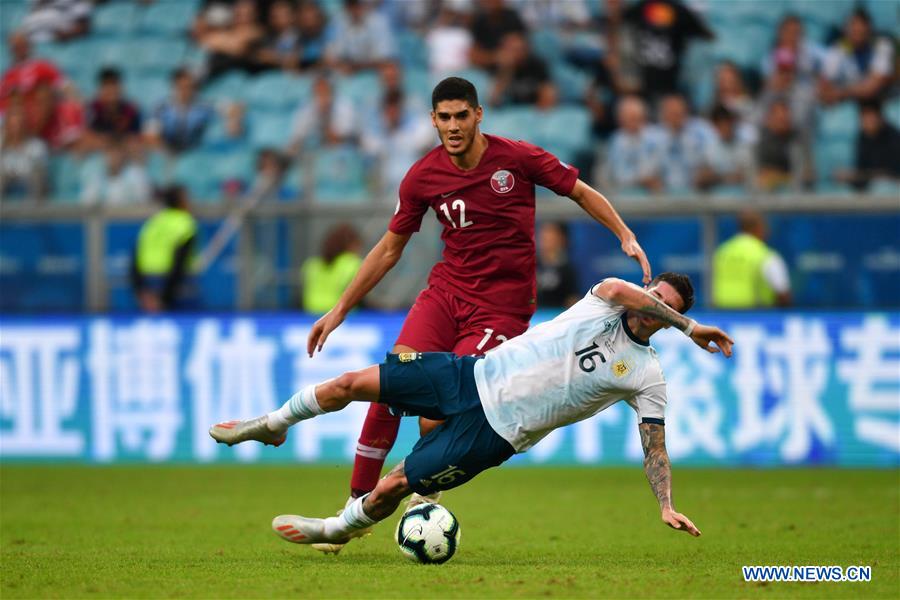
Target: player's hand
[[678, 521], [631, 247], [322, 329], [704, 335]]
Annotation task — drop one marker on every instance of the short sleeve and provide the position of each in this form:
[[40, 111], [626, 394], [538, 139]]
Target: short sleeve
[[410, 208], [883, 59], [546, 170], [650, 403]]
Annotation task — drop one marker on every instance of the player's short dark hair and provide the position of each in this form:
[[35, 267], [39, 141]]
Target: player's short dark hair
[[454, 88], [870, 105], [178, 73], [682, 284], [862, 14], [109, 75]]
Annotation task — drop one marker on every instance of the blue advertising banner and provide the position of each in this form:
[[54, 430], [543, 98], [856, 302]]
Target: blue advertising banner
[[802, 388]]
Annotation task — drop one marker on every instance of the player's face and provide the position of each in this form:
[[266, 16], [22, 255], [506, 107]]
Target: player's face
[[670, 297], [457, 124]]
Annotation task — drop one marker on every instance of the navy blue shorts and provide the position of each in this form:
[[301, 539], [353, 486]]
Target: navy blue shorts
[[441, 386]]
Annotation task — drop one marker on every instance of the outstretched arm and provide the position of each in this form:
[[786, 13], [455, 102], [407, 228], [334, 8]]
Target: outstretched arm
[[659, 474], [632, 297], [595, 204], [377, 263]]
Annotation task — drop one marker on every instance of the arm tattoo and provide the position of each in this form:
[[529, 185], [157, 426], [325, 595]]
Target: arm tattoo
[[656, 462], [654, 307], [397, 470]]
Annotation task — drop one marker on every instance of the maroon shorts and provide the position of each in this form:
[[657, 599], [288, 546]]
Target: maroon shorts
[[441, 322]]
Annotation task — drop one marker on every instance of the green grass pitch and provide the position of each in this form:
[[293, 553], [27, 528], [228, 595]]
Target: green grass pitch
[[203, 532]]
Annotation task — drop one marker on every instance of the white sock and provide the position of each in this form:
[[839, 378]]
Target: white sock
[[352, 518], [302, 405]]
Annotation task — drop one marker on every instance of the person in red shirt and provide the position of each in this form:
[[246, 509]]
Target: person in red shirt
[[481, 187], [26, 75]]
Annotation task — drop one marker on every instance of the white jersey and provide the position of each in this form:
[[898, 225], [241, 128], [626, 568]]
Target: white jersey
[[567, 370]]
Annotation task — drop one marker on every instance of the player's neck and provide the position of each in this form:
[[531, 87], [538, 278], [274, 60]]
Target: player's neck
[[638, 329], [471, 157]]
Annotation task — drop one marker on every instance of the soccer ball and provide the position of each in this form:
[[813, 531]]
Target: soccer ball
[[428, 533]]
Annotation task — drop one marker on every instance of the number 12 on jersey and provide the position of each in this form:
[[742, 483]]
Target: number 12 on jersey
[[458, 205]]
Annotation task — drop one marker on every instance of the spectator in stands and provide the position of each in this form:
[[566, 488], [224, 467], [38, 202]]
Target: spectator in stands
[[493, 20], [557, 281], [785, 84], [688, 144], [160, 266], [324, 121], [746, 272], [633, 160], [790, 40], [268, 182], [324, 277], [57, 117], [23, 159], [25, 76], [731, 91], [401, 137], [230, 37], [57, 20], [449, 42], [551, 14], [117, 180], [362, 39], [281, 47], [110, 117], [662, 30], [877, 149], [860, 66], [314, 34], [779, 157], [520, 76], [179, 123], [733, 155]]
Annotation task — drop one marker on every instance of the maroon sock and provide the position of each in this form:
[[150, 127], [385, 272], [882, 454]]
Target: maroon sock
[[378, 435]]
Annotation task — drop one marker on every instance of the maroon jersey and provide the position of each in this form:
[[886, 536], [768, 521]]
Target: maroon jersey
[[488, 218]]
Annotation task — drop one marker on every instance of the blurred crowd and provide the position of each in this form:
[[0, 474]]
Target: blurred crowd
[[328, 100]]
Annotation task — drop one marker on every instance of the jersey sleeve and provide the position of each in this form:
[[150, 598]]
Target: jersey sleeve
[[411, 207], [650, 403], [546, 170]]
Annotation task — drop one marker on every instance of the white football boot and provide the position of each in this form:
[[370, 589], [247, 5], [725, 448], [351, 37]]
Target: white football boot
[[301, 530], [235, 432], [333, 548], [416, 499]]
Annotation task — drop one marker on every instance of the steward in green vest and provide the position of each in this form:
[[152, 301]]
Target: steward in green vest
[[746, 273], [325, 277], [160, 263]]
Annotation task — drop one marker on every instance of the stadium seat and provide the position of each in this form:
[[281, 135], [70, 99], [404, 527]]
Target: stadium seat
[[509, 122], [411, 50], [823, 12], [13, 13], [840, 122], [169, 18], [417, 84], [229, 86], [546, 44], [65, 173], [270, 129], [340, 176], [572, 83], [831, 156], [278, 91], [148, 91], [156, 55], [564, 127], [193, 170], [885, 15], [362, 89], [116, 19], [236, 166], [293, 185]]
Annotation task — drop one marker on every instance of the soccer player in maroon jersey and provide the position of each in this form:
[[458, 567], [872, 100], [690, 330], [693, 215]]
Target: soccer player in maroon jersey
[[481, 187]]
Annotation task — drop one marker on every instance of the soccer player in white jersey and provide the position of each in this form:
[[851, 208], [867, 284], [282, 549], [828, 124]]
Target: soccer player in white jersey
[[592, 355]]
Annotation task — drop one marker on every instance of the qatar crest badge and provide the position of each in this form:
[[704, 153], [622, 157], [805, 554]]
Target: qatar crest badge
[[502, 181]]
